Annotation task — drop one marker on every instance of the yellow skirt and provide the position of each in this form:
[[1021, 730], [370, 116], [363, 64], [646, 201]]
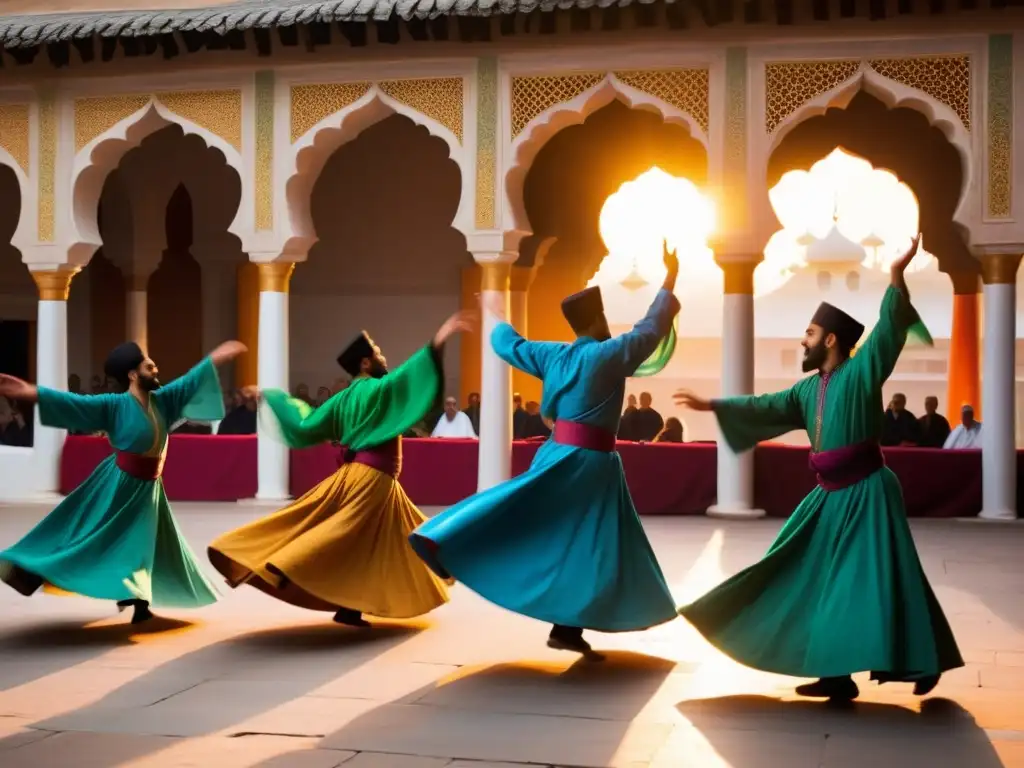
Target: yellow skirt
[[343, 544]]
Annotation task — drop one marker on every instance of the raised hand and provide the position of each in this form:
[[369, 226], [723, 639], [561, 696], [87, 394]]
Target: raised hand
[[251, 392], [227, 351], [691, 400], [671, 257], [16, 389], [900, 265], [461, 322], [492, 304]]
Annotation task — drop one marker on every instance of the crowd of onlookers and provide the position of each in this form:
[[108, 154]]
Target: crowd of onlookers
[[932, 430]]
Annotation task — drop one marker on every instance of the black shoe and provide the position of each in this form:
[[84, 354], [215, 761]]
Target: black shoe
[[351, 618], [926, 685], [142, 612], [571, 639], [23, 581], [833, 688]]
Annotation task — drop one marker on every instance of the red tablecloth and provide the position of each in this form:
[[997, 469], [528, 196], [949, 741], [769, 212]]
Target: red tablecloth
[[664, 479]]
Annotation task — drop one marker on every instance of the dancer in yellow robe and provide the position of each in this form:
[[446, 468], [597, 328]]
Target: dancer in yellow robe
[[344, 546]]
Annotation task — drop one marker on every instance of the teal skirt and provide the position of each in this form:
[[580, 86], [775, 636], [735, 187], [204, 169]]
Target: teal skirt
[[114, 538]]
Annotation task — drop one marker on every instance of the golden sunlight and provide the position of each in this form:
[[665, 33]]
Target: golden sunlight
[[870, 208]]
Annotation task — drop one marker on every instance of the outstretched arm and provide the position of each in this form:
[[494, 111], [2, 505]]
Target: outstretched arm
[[62, 410], [531, 357], [748, 420], [197, 394]]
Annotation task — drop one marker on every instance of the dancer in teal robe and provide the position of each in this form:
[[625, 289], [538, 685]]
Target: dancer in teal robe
[[841, 590], [562, 542], [114, 537]]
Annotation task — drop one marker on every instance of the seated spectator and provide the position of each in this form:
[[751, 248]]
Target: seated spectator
[[453, 422], [899, 426], [933, 429], [534, 426], [967, 434], [323, 394], [15, 428], [672, 432], [240, 420], [75, 384]]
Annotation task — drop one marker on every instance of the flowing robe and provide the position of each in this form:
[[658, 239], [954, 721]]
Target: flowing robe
[[841, 590], [345, 543]]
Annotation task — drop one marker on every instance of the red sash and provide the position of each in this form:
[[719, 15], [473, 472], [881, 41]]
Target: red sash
[[386, 458], [584, 436], [842, 467], [138, 466]]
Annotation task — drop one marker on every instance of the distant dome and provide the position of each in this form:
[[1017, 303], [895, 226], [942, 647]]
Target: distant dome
[[834, 249]]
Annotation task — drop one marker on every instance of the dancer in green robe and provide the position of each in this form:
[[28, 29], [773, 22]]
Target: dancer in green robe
[[841, 590], [114, 537]]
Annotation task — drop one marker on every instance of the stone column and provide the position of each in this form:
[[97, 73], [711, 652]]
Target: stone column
[[964, 384], [51, 368], [272, 373], [495, 457], [137, 309], [736, 471], [519, 286], [999, 445]]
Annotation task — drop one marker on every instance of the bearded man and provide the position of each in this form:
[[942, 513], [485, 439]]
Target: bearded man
[[841, 590]]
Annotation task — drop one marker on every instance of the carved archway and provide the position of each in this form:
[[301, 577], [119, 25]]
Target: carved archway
[[532, 127], [100, 148], [314, 142]]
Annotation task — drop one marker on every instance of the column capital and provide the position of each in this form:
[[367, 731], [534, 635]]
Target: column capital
[[1000, 268], [738, 274], [54, 284], [275, 276], [495, 245], [495, 276]]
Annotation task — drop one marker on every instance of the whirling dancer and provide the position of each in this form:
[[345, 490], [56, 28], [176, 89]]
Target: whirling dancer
[[562, 542], [841, 590], [343, 547], [114, 537]]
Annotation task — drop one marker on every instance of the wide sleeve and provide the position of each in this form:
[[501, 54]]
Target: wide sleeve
[[747, 420], [196, 396], [898, 321], [76, 413], [531, 357], [630, 350], [368, 413]]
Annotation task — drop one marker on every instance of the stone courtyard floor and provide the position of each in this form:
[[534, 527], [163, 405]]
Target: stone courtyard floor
[[250, 682]]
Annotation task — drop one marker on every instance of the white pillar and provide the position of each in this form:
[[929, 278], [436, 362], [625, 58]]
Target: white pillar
[[495, 453], [998, 434], [51, 370], [136, 309], [736, 471], [272, 373]]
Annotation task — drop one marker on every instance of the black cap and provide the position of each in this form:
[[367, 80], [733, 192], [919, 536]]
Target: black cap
[[351, 358], [583, 308], [833, 320], [122, 360]]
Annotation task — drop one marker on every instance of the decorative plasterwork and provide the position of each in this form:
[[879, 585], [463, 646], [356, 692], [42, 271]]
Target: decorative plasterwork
[[736, 111], [219, 112], [14, 131], [999, 195], [790, 85], [486, 141], [264, 151], [312, 103], [439, 98], [684, 89], [947, 79], [47, 166]]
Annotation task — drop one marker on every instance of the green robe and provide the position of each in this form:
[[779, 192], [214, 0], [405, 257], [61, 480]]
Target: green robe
[[114, 537], [367, 413], [841, 590]]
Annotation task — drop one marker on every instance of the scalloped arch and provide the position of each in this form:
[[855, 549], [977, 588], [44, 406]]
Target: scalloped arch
[[23, 232], [311, 151], [538, 131]]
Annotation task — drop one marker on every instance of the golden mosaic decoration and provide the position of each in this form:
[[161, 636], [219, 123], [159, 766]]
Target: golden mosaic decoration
[[14, 133], [46, 211], [219, 112], [532, 96], [946, 79], [999, 198], [264, 149], [95, 115], [438, 98], [790, 85], [486, 142], [312, 103], [685, 89]]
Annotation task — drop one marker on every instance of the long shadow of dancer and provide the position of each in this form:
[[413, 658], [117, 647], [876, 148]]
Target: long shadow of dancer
[[762, 732]]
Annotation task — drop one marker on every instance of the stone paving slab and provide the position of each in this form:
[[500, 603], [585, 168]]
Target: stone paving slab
[[252, 683]]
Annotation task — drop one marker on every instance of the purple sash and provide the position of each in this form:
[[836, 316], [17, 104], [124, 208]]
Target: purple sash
[[584, 436], [386, 457], [846, 466], [140, 467]]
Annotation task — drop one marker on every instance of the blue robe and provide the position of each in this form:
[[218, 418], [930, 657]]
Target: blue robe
[[114, 537], [562, 542]]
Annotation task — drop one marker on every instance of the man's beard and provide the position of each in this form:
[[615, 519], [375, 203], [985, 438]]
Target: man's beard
[[378, 370], [149, 383], [814, 357]]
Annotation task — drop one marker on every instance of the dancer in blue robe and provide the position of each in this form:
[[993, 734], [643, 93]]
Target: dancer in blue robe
[[562, 542]]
